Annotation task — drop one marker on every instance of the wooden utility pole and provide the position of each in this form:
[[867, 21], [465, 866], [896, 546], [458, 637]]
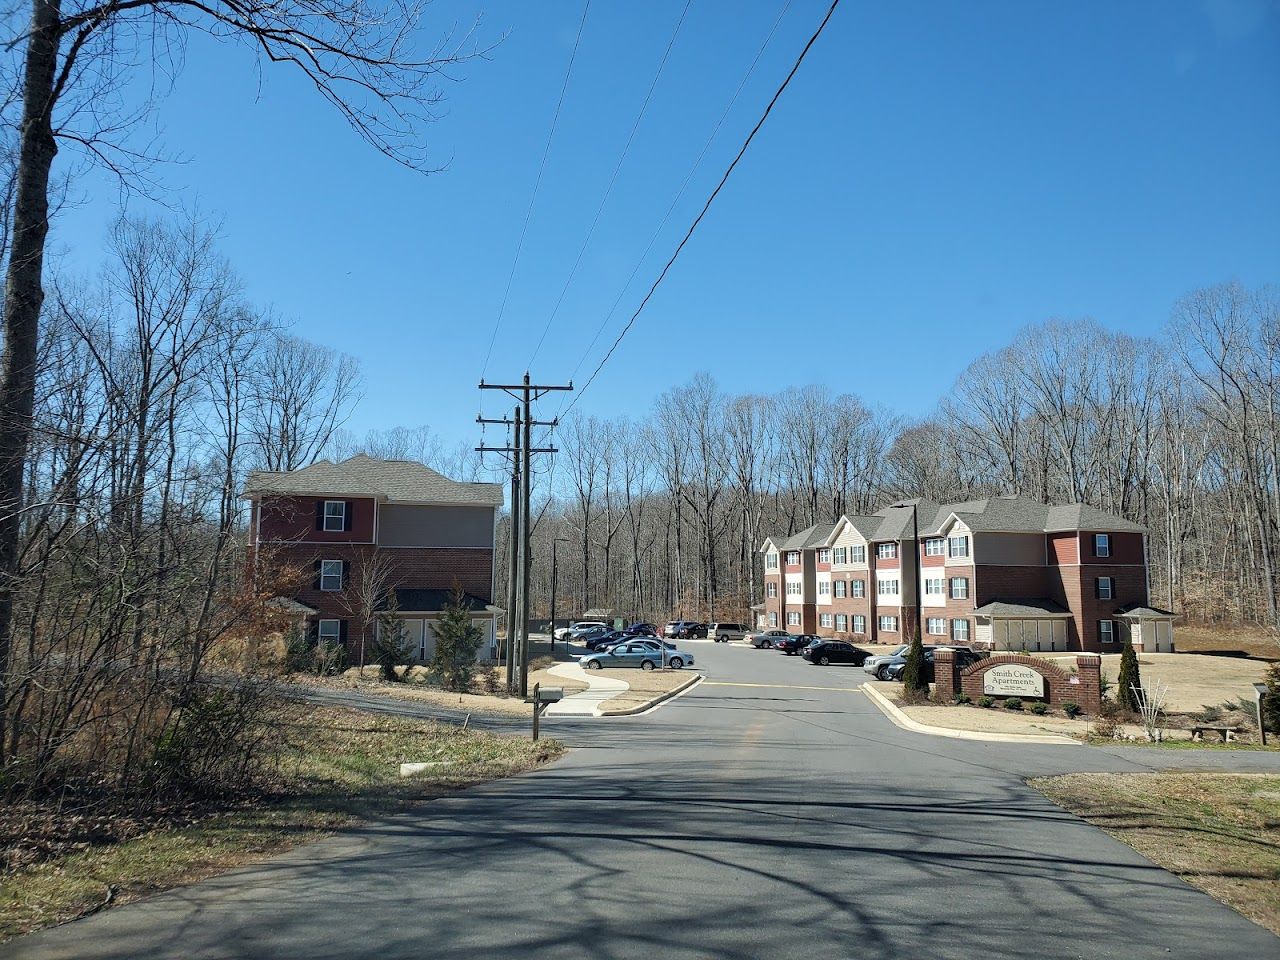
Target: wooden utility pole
[[521, 451]]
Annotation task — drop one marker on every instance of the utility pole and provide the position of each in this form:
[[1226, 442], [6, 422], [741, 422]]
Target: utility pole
[[554, 586], [521, 451]]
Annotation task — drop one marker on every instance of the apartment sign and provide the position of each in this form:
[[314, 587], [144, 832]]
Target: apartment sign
[[1013, 680]]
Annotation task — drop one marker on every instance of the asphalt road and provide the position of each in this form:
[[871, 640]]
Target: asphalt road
[[772, 812]]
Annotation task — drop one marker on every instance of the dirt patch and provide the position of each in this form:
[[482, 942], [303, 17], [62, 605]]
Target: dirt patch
[[995, 719], [1219, 832], [645, 686], [1227, 640], [1195, 681], [340, 765]]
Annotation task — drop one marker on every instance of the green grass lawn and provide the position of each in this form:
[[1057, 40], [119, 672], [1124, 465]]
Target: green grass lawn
[[338, 766]]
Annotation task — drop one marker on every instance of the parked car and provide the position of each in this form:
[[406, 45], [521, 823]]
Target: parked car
[[613, 642], [641, 630], [765, 639], [564, 633], [685, 630], [834, 651], [724, 632], [964, 656], [873, 662], [587, 634], [636, 653], [793, 644], [598, 640]]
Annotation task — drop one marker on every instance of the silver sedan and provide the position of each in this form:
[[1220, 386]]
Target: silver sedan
[[645, 654]]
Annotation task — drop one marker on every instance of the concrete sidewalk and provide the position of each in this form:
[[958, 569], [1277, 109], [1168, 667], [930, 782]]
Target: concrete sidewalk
[[584, 703]]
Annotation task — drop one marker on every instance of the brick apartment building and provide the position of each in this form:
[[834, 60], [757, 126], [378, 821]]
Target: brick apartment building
[[1008, 573], [348, 530]]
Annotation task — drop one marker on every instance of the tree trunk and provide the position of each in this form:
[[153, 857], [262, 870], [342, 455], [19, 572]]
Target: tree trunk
[[24, 296]]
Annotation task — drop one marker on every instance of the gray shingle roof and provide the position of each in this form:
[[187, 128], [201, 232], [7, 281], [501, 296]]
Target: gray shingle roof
[[1022, 608], [814, 536], [1010, 514], [1136, 610], [405, 481]]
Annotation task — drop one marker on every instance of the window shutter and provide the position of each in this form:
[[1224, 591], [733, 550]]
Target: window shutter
[[346, 515], [346, 576], [342, 632], [316, 565], [1097, 588], [319, 514], [313, 630]]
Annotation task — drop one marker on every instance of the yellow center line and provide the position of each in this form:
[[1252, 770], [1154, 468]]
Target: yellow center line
[[777, 686]]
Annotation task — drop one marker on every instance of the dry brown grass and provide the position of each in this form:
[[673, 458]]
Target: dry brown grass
[[1219, 832], [645, 686], [340, 765], [1195, 681], [1227, 639]]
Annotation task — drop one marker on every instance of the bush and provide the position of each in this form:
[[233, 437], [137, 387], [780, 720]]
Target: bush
[[389, 643], [457, 643], [1271, 699], [330, 659], [1071, 709], [985, 701], [1039, 708], [299, 652], [1129, 685], [1105, 727], [1013, 703], [963, 698], [913, 672]]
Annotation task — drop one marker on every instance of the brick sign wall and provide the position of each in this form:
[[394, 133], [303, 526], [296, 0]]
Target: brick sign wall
[[1020, 675]]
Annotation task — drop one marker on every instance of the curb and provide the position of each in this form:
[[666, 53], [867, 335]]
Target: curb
[[658, 700], [900, 719]]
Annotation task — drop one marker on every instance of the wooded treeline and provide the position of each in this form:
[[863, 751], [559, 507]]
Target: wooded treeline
[[158, 387], [662, 515]]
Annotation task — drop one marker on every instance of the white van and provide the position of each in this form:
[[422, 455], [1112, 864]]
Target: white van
[[724, 632]]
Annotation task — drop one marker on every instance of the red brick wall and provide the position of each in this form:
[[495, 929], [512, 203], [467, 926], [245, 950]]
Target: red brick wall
[[1058, 686], [1125, 548], [1009, 583], [1064, 547], [294, 518]]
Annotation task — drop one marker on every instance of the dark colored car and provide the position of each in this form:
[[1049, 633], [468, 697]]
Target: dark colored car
[[964, 656], [793, 645], [641, 630], [765, 639], [834, 651], [607, 638], [685, 630]]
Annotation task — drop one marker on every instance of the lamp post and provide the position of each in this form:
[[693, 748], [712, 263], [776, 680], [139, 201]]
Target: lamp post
[[1262, 690], [553, 590], [915, 564]]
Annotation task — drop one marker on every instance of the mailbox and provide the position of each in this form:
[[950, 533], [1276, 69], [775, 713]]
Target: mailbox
[[542, 698]]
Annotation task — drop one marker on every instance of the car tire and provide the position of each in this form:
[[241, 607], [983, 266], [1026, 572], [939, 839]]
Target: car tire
[[882, 673], [594, 665], [646, 664], [824, 661], [768, 644], [676, 663]]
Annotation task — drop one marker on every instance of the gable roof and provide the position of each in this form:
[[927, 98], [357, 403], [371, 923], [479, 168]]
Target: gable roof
[[1003, 514], [814, 536], [403, 481]]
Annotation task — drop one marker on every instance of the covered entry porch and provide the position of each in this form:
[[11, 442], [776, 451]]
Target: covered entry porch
[[1031, 625], [418, 612], [1150, 628]]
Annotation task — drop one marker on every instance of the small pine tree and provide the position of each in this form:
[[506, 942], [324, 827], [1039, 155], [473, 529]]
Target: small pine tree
[[457, 642], [1271, 699], [1130, 679], [299, 651], [913, 675], [389, 640]]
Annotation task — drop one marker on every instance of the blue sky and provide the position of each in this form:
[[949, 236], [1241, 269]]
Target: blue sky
[[937, 176]]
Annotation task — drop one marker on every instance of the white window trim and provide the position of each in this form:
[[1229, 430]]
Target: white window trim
[[793, 618], [935, 547], [824, 588], [859, 623], [340, 516], [882, 592], [842, 622], [858, 554], [858, 589], [952, 552], [964, 595], [1110, 588], [337, 631], [325, 576], [888, 624], [796, 561], [886, 551], [840, 555], [1110, 632], [771, 591], [824, 555], [940, 583], [958, 634], [771, 561], [1098, 549], [825, 619], [773, 618], [940, 623], [842, 589]]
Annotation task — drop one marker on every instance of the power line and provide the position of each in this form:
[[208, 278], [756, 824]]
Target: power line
[[683, 186], [573, 272], [537, 183], [707, 206]]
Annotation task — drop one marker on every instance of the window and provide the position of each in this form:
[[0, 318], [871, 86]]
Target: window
[[331, 575], [773, 618], [934, 547], [886, 551], [824, 555], [858, 554], [842, 588], [933, 587], [840, 555], [1102, 544], [334, 515], [793, 618], [1102, 588], [793, 558], [958, 546], [771, 591], [1106, 631], [824, 588], [960, 630], [857, 589], [771, 560], [842, 623], [859, 623], [959, 588], [886, 587], [329, 631], [937, 626], [794, 588], [825, 619], [888, 624]]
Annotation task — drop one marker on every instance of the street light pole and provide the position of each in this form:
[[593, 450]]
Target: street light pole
[[554, 585]]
